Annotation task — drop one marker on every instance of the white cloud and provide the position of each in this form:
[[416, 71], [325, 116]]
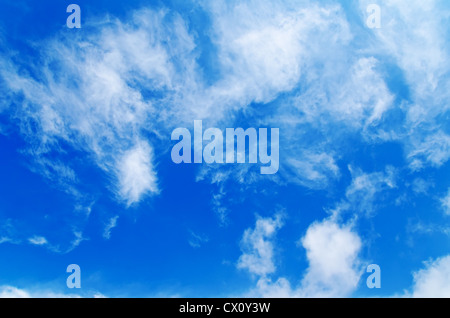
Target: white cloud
[[4, 239], [408, 28], [105, 93], [98, 95], [434, 280], [136, 174], [313, 170], [332, 251], [14, 292], [263, 49], [362, 99], [362, 194], [330, 109], [270, 48], [196, 240], [262, 45], [258, 248], [108, 228], [421, 186], [76, 241], [434, 149], [445, 201], [281, 288], [57, 248], [38, 240], [93, 94]]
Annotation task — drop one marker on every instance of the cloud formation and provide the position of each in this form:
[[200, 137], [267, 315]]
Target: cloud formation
[[433, 280], [332, 252], [258, 247]]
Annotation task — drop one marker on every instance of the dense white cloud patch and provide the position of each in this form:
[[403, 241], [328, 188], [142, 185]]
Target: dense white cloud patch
[[334, 267], [263, 45], [332, 251], [136, 173], [258, 247], [433, 280]]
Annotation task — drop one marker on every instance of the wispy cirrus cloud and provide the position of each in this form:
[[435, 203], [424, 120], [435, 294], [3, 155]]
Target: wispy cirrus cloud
[[445, 202], [112, 223], [38, 240], [95, 94], [109, 97]]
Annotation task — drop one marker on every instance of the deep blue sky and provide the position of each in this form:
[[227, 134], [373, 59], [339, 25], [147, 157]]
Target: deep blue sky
[[87, 178]]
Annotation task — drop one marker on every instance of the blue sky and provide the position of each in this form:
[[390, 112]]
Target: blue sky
[[86, 118]]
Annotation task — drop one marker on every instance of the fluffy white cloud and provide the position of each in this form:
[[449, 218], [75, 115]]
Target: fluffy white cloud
[[434, 280], [136, 173], [258, 247], [332, 252], [334, 269]]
